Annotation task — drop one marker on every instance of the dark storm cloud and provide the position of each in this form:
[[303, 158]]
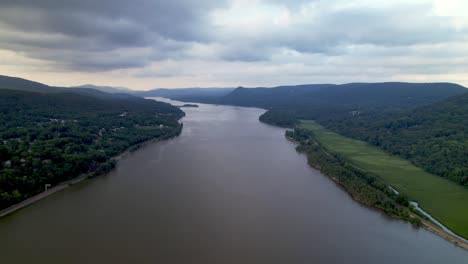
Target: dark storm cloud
[[69, 28], [100, 35], [176, 19]]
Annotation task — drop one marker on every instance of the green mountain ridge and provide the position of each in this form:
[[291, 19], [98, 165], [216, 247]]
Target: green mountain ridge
[[425, 123], [15, 83], [375, 95]]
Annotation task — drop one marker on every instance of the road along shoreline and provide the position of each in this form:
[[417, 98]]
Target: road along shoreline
[[42, 195], [435, 229], [63, 185]]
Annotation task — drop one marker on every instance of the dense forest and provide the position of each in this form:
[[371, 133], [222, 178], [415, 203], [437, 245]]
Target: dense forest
[[425, 123], [51, 136], [353, 96], [433, 137]]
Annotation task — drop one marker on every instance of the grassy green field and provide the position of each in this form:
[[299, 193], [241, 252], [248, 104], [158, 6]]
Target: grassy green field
[[444, 200]]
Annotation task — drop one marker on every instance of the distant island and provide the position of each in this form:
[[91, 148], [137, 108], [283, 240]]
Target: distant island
[[188, 105]]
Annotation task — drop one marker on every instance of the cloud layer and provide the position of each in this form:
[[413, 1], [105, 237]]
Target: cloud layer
[[147, 43]]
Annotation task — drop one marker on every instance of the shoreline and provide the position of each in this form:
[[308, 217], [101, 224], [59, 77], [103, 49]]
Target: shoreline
[[36, 198], [453, 239], [63, 185], [435, 222], [457, 241], [431, 227]]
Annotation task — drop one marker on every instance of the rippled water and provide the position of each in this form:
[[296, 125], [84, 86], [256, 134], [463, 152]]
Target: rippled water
[[228, 190]]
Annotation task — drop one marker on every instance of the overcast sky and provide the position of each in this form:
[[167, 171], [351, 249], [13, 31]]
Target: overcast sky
[[145, 44]]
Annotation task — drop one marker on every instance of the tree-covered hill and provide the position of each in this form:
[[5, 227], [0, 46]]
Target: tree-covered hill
[[46, 138], [7, 82], [287, 104], [14, 83], [382, 96], [425, 123], [273, 97], [434, 137]]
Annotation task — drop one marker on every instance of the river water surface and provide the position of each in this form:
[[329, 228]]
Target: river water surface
[[229, 189]]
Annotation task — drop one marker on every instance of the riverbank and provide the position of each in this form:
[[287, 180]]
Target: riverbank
[[444, 200], [444, 234], [63, 185], [431, 227], [362, 186], [42, 195]]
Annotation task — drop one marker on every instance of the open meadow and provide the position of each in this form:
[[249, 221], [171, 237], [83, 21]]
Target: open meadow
[[444, 200]]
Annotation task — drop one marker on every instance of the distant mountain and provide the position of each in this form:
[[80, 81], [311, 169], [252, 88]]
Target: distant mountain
[[426, 123], [14, 83], [395, 96], [107, 89], [186, 94], [266, 97], [97, 93], [287, 104]]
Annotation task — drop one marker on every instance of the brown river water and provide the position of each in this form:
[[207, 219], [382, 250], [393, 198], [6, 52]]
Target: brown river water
[[229, 189]]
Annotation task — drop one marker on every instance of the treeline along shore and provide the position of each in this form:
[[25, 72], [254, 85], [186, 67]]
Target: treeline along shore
[[51, 135], [365, 186], [107, 167], [423, 125]]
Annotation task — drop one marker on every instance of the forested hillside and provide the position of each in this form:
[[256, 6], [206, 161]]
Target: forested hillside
[[47, 137], [425, 123], [287, 104], [14, 83], [381, 96], [434, 137]]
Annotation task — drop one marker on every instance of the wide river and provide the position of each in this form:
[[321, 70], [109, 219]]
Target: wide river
[[229, 189]]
